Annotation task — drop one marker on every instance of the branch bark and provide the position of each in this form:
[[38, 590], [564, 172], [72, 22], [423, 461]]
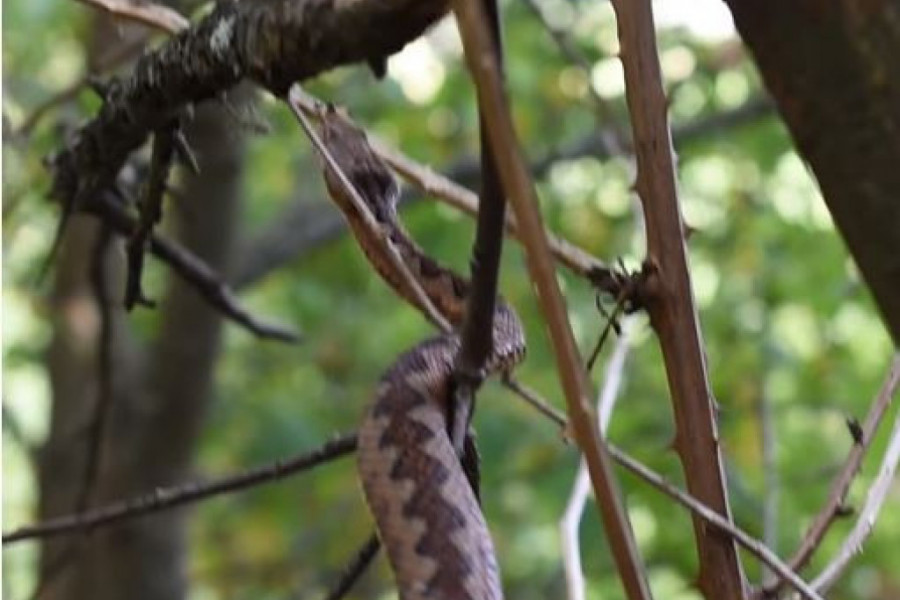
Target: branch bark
[[670, 301], [520, 191], [832, 69]]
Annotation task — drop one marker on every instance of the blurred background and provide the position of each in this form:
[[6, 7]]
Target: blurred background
[[794, 344]]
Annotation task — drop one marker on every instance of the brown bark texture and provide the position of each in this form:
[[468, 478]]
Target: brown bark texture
[[832, 67], [161, 392]]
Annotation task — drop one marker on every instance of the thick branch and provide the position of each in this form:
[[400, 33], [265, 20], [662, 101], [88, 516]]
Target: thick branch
[[670, 301], [272, 42]]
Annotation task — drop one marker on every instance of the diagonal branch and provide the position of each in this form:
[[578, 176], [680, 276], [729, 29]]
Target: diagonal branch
[[165, 498], [190, 268], [520, 191], [833, 507], [867, 516], [669, 298]]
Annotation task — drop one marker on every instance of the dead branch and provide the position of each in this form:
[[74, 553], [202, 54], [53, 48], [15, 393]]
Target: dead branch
[[867, 516], [165, 498], [520, 191], [833, 507], [190, 268]]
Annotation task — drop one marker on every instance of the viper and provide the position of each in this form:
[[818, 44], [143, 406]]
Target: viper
[[426, 510]]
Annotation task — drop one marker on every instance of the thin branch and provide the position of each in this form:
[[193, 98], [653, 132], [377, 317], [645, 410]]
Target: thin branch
[[190, 268], [520, 192], [835, 503], [372, 225], [534, 400], [355, 568], [571, 519], [170, 497], [717, 521], [302, 227], [477, 331], [145, 13], [867, 516], [669, 300], [771, 479]]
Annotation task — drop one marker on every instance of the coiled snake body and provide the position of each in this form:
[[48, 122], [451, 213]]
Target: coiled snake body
[[427, 514]]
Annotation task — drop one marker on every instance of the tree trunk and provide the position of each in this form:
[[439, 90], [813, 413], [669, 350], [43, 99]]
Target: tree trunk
[[161, 392], [832, 67]]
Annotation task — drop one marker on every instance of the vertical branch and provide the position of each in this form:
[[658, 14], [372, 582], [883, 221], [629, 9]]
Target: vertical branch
[[520, 191], [477, 337], [669, 298]]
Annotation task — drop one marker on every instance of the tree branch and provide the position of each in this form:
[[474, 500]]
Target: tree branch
[[520, 192], [669, 298], [835, 503], [165, 498], [190, 268], [867, 516], [302, 227]]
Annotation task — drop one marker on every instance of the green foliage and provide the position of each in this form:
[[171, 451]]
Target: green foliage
[[784, 315]]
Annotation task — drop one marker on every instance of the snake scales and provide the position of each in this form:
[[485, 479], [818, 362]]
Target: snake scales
[[426, 511]]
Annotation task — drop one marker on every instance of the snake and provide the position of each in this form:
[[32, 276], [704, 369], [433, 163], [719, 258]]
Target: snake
[[426, 511]]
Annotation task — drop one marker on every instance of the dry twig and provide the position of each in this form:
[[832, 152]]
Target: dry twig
[[165, 498], [869, 513], [520, 191], [835, 503]]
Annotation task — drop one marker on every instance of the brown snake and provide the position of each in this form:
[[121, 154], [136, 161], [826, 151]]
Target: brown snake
[[427, 514]]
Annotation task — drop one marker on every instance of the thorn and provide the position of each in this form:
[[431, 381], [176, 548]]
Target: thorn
[[855, 429], [844, 510], [185, 152]]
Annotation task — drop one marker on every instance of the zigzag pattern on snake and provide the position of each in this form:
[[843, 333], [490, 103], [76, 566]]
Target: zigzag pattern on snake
[[426, 512]]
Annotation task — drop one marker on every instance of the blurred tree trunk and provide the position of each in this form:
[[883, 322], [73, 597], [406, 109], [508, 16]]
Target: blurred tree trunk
[[162, 387], [833, 69]]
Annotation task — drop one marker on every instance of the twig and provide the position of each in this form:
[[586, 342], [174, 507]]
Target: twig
[[190, 268], [355, 568], [771, 479], [477, 331], [151, 213], [145, 13], [867, 516], [164, 498], [833, 506], [424, 302], [533, 399], [571, 519], [520, 192], [669, 299], [298, 229], [710, 516], [458, 196]]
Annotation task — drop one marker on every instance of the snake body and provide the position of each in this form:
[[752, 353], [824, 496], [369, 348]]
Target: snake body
[[426, 512]]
